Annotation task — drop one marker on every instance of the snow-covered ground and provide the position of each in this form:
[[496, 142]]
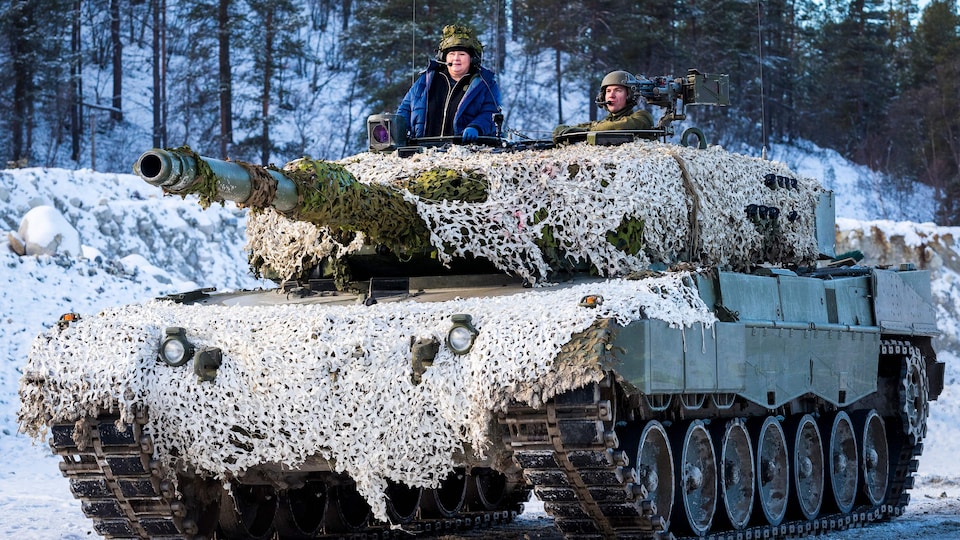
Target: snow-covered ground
[[132, 245]]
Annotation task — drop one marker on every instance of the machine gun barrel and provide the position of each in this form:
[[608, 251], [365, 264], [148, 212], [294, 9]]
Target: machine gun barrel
[[178, 172]]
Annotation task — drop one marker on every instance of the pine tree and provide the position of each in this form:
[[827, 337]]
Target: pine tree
[[933, 102], [192, 61], [852, 68], [273, 42], [555, 26], [36, 35]]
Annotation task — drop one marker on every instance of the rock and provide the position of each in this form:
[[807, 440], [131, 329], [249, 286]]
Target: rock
[[45, 231], [16, 243], [37, 201]]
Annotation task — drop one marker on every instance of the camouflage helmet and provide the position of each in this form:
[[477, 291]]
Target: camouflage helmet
[[620, 78], [457, 36]]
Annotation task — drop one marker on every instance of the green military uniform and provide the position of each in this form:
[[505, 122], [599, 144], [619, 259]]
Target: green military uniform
[[627, 119]]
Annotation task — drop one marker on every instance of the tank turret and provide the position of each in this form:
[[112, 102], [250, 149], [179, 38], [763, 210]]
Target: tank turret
[[533, 213]]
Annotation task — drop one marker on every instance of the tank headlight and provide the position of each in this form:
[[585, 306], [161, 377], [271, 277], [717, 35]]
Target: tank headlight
[[462, 334], [175, 350]]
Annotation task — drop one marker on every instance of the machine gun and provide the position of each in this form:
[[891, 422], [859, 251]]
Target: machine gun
[[674, 94], [671, 93]]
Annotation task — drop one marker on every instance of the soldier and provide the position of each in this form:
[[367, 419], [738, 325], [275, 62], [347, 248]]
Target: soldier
[[455, 95], [619, 94]]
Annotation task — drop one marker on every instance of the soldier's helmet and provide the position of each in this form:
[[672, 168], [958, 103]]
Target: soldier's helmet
[[457, 36], [620, 78]]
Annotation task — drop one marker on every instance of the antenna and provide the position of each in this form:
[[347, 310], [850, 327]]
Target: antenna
[[763, 116], [413, 45], [496, 38]]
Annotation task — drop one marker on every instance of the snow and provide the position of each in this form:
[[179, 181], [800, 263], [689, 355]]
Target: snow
[[134, 246], [45, 231]]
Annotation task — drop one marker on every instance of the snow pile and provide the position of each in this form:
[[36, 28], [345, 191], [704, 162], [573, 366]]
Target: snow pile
[[692, 205], [299, 381], [114, 216]]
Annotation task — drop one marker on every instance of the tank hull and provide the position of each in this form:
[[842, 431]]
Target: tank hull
[[663, 423]]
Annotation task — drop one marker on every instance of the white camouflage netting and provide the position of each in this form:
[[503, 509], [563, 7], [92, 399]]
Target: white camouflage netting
[[662, 184], [332, 381]]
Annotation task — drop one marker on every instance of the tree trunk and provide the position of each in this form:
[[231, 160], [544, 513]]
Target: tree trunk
[[501, 36], [347, 6], [76, 85], [157, 98], [225, 87], [163, 72], [267, 74], [22, 79], [117, 113]]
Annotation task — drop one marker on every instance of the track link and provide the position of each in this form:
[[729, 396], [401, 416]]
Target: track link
[[568, 452], [122, 489]]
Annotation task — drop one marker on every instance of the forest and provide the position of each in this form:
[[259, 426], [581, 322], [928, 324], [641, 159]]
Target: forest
[[93, 84]]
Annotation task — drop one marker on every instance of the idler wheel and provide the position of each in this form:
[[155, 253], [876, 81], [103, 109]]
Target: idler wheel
[[402, 502], [446, 500], [773, 471], [842, 476], [875, 455], [247, 512], [697, 480], [301, 511], [737, 483], [806, 447], [914, 391], [654, 467]]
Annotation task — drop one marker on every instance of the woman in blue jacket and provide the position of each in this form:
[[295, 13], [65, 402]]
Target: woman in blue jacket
[[455, 95]]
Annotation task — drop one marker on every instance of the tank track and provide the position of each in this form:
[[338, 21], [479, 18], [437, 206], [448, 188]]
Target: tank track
[[122, 489], [570, 452]]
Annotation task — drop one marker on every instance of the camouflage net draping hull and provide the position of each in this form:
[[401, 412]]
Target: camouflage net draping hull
[[618, 208], [312, 380]]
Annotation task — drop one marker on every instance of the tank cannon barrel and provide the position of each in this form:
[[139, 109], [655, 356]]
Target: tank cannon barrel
[[316, 191], [182, 172]]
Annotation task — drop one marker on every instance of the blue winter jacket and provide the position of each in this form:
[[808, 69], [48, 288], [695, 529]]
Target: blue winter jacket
[[479, 103]]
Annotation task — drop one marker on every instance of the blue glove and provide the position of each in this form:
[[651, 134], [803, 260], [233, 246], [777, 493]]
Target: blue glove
[[470, 134]]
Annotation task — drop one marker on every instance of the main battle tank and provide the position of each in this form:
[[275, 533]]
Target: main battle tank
[[657, 340]]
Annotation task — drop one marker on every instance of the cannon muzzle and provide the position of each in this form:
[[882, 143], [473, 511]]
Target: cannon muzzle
[[182, 172]]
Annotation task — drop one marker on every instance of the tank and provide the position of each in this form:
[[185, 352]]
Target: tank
[[656, 340]]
